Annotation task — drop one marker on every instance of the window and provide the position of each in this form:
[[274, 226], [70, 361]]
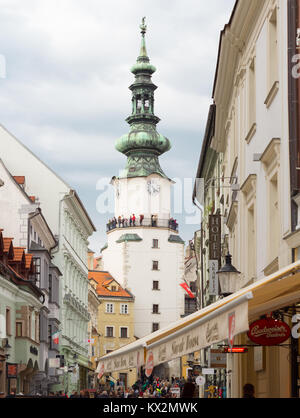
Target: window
[[37, 269], [124, 309], [109, 332], [273, 50], [8, 321], [155, 243], [113, 288], [155, 265], [155, 309], [109, 351], [19, 329], [109, 308], [155, 326], [123, 332], [155, 285]]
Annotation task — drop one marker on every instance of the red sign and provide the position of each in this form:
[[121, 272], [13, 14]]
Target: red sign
[[12, 370], [236, 350], [268, 332], [149, 364]]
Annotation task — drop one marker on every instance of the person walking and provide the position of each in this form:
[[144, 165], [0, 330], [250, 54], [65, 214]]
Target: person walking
[[133, 219]]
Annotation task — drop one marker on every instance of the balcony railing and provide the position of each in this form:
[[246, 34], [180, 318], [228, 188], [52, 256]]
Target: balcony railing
[[140, 223]]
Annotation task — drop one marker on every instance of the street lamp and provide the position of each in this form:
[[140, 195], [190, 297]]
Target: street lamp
[[228, 276]]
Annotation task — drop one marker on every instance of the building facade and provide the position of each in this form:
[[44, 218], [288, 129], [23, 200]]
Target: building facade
[[71, 226], [115, 322], [250, 180]]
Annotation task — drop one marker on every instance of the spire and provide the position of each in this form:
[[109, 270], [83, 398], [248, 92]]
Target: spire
[[143, 145], [143, 26]]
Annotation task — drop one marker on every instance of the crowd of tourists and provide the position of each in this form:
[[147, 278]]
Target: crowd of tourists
[[132, 221], [153, 387]]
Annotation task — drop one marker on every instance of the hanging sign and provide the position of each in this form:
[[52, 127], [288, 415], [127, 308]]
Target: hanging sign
[[149, 364], [101, 371], [213, 277], [269, 331], [215, 237]]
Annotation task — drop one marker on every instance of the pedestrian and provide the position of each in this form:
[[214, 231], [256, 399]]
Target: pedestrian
[[122, 221], [189, 389], [133, 219], [119, 221], [141, 219], [248, 391]]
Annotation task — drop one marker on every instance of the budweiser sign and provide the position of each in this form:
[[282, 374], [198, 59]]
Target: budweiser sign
[[268, 332]]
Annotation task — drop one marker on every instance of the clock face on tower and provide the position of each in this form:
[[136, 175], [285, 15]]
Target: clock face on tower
[[153, 187]]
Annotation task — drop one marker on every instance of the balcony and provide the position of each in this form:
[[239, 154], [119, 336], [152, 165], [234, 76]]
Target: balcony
[[146, 222]]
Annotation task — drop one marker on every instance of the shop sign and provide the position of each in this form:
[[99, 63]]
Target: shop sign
[[218, 359], [101, 371], [11, 370], [175, 391], [269, 331]]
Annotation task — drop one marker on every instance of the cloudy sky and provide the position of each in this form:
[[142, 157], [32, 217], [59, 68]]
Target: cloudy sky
[[65, 91]]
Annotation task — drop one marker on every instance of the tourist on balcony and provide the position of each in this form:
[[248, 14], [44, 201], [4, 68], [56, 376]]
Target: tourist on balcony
[[133, 219], [122, 221], [126, 223], [119, 221], [130, 220], [141, 219]]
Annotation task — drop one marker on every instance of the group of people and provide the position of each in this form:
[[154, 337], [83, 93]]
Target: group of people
[[122, 222]]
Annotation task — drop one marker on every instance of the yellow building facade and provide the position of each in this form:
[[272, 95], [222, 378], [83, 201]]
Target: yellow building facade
[[115, 321]]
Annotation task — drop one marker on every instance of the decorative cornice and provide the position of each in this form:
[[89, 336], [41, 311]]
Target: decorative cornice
[[271, 156]]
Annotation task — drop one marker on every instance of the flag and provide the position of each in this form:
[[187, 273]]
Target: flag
[[188, 290], [55, 337], [91, 340]]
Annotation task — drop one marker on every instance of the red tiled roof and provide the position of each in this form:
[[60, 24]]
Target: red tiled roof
[[103, 278], [7, 242], [19, 253], [20, 179], [28, 259]]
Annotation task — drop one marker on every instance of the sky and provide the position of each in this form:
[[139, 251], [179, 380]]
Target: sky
[[64, 78]]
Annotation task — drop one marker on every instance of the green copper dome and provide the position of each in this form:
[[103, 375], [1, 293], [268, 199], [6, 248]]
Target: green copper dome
[[143, 144], [143, 139]]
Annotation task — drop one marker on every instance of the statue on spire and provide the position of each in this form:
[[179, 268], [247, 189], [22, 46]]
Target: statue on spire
[[143, 26]]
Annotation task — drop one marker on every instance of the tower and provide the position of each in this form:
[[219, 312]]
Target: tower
[[144, 251]]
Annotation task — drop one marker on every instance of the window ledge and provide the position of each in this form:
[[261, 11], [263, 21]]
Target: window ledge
[[272, 94], [251, 133]]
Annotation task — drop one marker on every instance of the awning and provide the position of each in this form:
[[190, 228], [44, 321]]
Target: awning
[[211, 325]]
